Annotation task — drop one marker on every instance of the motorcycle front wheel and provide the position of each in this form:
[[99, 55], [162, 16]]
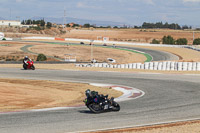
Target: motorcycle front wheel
[[116, 106], [95, 108], [33, 67]]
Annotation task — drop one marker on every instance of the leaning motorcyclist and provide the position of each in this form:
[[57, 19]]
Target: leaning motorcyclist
[[94, 94], [91, 94], [25, 60]]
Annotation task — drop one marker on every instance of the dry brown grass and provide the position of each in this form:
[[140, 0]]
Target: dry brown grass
[[18, 94], [11, 50], [132, 35], [83, 53], [179, 127]]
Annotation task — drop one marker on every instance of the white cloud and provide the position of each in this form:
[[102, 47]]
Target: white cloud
[[80, 5], [191, 0], [26, 1], [19, 0], [150, 2], [87, 5]]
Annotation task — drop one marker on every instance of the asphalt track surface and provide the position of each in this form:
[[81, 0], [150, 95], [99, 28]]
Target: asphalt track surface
[[167, 98], [155, 54]]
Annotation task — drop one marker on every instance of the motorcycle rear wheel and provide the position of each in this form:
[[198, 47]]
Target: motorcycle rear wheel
[[25, 67]]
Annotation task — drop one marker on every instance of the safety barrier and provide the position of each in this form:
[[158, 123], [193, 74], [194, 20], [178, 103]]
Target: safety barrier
[[1, 35], [109, 42], [59, 39], [8, 39], [193, 48], [117, 42], [38, 38], [163, 66]]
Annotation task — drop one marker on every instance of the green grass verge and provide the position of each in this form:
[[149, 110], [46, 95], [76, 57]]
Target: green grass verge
[[149, 57]]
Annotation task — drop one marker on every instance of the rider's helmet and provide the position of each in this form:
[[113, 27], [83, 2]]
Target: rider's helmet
[[26, 57], [88, 93]]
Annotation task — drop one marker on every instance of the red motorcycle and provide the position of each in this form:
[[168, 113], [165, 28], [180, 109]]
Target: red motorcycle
[[29, 65]]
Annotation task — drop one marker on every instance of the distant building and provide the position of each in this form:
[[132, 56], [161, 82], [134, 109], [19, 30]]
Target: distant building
[[71, 24], [54, 25], [10, 23]]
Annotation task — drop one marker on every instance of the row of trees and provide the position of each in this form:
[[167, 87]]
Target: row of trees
[[170, 40], [166, 25], [30, 22], [87, 25], [41, 23], [145, 25], [196, 41]]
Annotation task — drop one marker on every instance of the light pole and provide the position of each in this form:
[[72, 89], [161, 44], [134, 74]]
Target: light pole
[[193, 35], [91, 42]]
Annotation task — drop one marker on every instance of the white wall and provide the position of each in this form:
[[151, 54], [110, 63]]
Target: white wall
[[9, 23], [39, 38]]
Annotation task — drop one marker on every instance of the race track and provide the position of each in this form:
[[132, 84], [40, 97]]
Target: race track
[[167, 98], [155, 54]]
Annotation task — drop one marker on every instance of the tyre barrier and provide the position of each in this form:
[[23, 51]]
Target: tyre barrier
[[193, 48], [163, 66], [155, 66]]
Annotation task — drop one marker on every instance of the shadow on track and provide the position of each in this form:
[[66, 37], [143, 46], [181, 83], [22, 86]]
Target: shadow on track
[[86, 112]]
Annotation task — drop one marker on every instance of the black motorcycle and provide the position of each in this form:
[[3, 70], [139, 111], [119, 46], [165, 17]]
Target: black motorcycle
[[99, 104]]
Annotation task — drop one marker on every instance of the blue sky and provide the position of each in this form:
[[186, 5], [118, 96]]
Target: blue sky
[[133, 12]]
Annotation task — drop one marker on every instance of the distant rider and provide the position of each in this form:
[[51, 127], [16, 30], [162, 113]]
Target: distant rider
[[25, 60]]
